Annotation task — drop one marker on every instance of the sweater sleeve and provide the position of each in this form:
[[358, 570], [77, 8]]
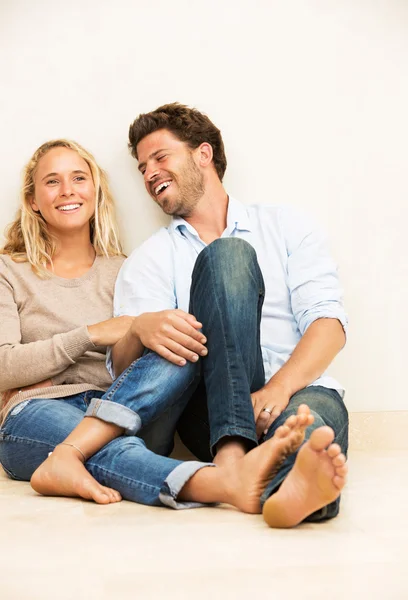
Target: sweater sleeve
[[27, 364]]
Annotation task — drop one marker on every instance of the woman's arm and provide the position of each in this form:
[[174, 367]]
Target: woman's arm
[[23, 365]]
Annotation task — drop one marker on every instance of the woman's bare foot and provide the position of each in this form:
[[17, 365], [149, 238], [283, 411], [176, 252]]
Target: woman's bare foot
[[317, 478], [247, 478], [63, 474]]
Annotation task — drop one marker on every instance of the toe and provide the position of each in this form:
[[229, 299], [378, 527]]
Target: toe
[[341, 471], [303, 419], [291, 421], [109, 492], [339, 460], [303, 409], [333, 450], [339, 482], [282, 431], [92, 490], [321, 438], [101, 496], [116, 497]]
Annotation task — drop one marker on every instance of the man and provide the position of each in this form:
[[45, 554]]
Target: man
[[251, 290]]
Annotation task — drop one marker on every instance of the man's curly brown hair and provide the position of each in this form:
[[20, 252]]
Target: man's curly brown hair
[[187, 124]]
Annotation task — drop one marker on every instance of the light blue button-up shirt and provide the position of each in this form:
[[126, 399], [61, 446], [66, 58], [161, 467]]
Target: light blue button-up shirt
[[301, 282]]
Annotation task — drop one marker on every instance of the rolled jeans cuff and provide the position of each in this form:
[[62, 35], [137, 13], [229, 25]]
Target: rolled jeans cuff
[[176, 480], [231, 431], [115, 413]]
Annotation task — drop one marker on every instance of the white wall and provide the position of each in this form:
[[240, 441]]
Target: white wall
[[312, 100]]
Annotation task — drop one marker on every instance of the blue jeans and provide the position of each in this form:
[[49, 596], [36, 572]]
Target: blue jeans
[[226, 296], [152, 396], [34, 427]]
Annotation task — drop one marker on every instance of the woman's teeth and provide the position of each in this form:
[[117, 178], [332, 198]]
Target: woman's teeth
[[68, 207]]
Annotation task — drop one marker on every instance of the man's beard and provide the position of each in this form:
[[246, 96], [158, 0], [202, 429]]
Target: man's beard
[[190, 183]]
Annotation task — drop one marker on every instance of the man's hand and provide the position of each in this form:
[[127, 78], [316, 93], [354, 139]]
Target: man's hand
[[273, 397], [174, 334]]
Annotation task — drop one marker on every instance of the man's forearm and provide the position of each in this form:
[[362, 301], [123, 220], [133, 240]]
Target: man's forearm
[[125, 351], [320, 344]]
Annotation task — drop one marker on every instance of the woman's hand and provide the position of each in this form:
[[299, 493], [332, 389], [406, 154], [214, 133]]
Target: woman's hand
[[173, 334], [107, 333]]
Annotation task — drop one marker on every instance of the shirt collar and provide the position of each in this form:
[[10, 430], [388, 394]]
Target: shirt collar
[[237, 218]]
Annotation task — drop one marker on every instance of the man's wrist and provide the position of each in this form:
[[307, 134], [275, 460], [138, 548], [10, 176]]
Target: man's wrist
[[280, 384]]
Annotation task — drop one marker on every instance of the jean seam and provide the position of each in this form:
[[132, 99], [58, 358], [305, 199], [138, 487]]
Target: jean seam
[[24, 440], [121, 379], [340, 433], [227, 359], [10, 473], [122, 478]]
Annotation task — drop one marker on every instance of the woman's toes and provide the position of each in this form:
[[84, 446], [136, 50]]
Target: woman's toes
[[116, 497], [101, 497]]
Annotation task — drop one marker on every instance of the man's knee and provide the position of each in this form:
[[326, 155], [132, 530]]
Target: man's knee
[[322, 401], [164, 372], [230, 263], [228, 250]]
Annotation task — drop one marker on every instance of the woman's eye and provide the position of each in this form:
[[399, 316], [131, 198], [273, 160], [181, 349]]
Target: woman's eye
[[51, 181], [80, 178]]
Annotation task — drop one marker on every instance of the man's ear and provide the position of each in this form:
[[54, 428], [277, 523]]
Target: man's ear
[[205, 154]]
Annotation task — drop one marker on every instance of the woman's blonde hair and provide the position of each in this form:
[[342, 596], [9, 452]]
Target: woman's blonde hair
[[28, 238]]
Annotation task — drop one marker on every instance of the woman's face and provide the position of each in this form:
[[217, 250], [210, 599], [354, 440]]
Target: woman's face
[[64, 192]]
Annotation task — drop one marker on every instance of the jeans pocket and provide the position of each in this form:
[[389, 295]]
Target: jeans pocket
[[13, 413], [17, 409]]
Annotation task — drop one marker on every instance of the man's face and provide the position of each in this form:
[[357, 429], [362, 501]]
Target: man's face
[[171, 174]]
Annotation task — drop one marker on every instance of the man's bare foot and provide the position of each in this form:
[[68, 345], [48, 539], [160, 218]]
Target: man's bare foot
[[247, 478], [63, 474], [317, 478]]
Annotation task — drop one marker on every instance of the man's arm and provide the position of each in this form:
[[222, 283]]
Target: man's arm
[[322, 341], [145, 289], [317, 305]]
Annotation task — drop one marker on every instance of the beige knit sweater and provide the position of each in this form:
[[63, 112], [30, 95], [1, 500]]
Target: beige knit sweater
[[43, 330]]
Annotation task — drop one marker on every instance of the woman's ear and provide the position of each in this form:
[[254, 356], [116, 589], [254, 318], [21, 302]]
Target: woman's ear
[[34, 206]]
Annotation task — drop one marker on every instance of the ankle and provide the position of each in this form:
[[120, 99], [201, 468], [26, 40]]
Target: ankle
[[234, 446], [71, 449]]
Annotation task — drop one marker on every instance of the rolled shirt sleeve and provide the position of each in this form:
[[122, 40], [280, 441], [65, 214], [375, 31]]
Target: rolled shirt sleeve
[[312, 273], [145, 282]]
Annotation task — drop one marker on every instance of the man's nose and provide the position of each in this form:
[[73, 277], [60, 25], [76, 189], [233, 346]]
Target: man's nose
[[151, 173]]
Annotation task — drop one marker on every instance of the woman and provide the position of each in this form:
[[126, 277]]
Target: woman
[[57, 274]]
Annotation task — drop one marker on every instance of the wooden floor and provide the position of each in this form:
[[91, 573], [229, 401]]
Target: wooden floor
[[66, 549]]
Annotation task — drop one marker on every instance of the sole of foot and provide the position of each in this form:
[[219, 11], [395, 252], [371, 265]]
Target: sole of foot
[[251, 474], [316, 479]]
